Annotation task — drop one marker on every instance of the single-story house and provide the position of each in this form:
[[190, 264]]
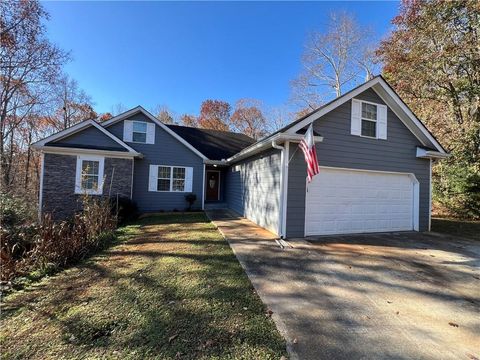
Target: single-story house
[[375, 159]]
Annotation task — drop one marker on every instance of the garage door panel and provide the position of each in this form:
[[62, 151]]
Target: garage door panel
[[341, 201]]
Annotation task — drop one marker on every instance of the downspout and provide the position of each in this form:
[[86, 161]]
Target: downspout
[[283, 157]]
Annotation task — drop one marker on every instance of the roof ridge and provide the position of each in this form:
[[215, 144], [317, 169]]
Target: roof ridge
[[204, 129]]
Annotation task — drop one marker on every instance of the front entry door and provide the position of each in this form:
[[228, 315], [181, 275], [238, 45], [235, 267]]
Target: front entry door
[[213, 185]]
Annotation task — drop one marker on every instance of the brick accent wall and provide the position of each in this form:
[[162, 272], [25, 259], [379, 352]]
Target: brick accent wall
[[59, 196]]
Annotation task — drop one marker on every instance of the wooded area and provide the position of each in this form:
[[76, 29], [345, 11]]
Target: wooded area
[[431, 58]]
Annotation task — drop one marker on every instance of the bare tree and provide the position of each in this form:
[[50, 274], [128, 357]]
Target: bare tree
[[278, 117], [29, 65], [72, 103], [117, 109], [164, 114], [333, 60]]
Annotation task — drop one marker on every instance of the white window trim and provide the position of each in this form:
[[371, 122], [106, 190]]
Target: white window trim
[[362, 118], [171, 179], [78, 175], [140, 132]]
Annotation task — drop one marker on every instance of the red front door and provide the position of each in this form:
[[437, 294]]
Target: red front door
[[212, 182]]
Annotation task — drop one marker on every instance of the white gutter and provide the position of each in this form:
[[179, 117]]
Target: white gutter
[[264, 144], [76, 151], [283, 158], [430, 154]]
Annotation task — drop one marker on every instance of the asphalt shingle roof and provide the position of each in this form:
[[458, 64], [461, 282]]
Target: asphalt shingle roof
[[214, 144]]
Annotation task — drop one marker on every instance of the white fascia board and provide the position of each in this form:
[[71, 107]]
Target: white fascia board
[[333, 105], [78, 151], [265, 144], [430, 154], [64, 133], [411, 115], [140, 109], [392, 96], [77, 128]]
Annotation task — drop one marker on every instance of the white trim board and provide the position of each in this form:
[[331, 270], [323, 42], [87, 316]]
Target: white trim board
[[78, 151], [140, 109], [77, 128], [381, 87]]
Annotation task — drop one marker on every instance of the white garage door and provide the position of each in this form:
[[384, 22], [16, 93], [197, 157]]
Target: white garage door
[[343, 201]]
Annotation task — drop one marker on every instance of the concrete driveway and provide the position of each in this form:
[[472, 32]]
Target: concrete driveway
[[382, 296]]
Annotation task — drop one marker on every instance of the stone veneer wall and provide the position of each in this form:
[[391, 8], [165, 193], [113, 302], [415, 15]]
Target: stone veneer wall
[[59, 171]]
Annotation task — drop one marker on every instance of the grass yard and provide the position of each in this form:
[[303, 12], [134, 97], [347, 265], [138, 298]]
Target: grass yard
[[469, 229], [172, 290]]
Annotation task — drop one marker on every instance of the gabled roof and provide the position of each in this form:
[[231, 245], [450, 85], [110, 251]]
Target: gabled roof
[[140, 109], [44, 143], [214, 144], [389, 96]]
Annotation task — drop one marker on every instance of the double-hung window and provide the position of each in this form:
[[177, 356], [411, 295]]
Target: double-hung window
[[139, 133], [89, 175], [170, 178], [369, 120]]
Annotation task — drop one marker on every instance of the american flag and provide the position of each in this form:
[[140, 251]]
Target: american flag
[[308, 147]]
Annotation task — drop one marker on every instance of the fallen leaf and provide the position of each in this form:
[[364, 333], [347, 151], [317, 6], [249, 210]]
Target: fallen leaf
[[453, 324], [171, 338]]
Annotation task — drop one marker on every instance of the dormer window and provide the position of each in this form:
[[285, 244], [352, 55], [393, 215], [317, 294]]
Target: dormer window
[[139, 133]]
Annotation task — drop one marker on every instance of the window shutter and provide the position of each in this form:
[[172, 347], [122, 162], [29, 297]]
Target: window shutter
[[152, 178], [150, 133], [382, 122], [127, 130], [356, 122], [188, 179]]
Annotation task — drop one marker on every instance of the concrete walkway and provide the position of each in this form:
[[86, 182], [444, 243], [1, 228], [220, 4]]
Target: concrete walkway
[[382, 296]]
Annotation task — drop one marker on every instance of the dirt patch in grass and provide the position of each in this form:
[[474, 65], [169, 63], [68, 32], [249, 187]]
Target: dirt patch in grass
[[174, 289], [469, 229]]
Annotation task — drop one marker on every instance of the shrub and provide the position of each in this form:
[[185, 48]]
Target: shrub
[[53, 245], [190, 198], [14, 211], [457, 187], [124, 208]]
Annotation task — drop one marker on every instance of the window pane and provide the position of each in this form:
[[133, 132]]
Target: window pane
[[139, 137], [163, 185], [163, 172], [178, 173], [369, 128], [89, 182], [178, 185], [90, 167], [140, 127], [369, 111]]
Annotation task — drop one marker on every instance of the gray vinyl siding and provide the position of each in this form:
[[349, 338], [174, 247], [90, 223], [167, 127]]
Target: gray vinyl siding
[[90, 137], [340, 149], [166, 151], [253, 189], [59, 171]]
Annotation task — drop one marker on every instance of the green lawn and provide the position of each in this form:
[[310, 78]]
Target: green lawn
[[174, 289], [464, 228]]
